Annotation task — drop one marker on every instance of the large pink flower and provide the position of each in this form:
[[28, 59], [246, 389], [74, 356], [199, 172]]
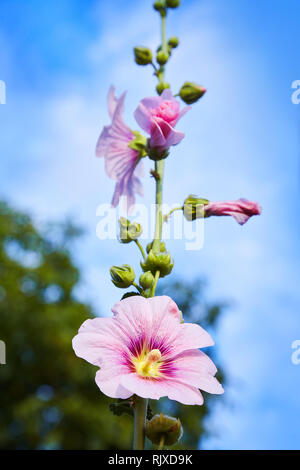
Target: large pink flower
[[241, 210], [158, 116], [144, 349], [121, 161]]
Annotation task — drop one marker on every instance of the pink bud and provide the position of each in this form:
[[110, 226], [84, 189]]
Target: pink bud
[[241, 210]]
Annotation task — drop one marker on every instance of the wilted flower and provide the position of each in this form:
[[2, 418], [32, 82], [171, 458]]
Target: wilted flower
[[144, 349], [158, 115], [121, 161], [241, 210]]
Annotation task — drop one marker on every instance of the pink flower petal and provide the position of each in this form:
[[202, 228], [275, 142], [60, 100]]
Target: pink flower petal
[[156, 389], [112, 387]]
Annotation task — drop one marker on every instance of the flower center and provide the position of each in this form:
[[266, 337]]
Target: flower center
[[148, 364], [167, 110]]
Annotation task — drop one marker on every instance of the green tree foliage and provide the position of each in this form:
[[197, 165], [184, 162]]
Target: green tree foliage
[[48, 397]]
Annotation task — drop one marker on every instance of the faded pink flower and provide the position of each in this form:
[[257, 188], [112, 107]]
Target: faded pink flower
[[121, 162], [241, 210], [144, 349], [158, 116]]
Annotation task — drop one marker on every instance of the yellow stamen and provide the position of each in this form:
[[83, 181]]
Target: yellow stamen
[[148, 365]]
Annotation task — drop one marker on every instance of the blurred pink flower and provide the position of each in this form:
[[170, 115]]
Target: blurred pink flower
[[121, 162], [144, 349], [158, 116], [241, 210]]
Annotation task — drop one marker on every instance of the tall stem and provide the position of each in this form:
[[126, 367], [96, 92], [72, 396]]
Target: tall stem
[[159, 169], [159, 166], [140, 412], [141, 404]]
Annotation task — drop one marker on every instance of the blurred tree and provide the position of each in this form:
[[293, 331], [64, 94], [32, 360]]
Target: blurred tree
[[48, 397]]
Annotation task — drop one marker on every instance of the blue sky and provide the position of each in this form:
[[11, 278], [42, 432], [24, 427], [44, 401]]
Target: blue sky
[[58, 60]]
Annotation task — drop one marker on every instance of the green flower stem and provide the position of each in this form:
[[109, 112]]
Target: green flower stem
[[137, 287], [155, 283], [141, 248], [140, 412], [141, 405], [166, 216], [159, 169]]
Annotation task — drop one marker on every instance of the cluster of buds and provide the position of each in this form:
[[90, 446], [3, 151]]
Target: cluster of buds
[[144, 56], [164, 430], [158, 261]]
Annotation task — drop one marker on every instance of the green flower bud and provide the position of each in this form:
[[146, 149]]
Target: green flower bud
[[173, 41], [193, 207], [122, 276], [158, 6], [142, 55], [164, 429], [129, 231], [161, 262], [173, 3], [191, 92], [161, 248], [146, 280], [161, 86], [162, 57]]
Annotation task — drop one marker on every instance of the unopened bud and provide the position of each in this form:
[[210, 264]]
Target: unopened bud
[[142, 55], [158, 261], [146, 280], [129, 231], [191, 92], [172, 3], [162, 57], [164, 429], [173, 41], [161, 86], [122, 276], [194, 207], [158, 6]]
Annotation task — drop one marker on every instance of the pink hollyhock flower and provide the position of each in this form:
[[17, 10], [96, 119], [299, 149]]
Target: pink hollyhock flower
[[158, 116], [144, 349], [241, 210], [121, 161]]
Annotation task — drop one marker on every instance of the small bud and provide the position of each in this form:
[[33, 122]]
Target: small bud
[[162, 57], [146, 280], [129, 231], [161, 248], [161, 86], [173, 41], [122, 276], [142, 55], [173, 3], [158, 6], [164, 428], [158, 261], [191, 92], [194, 207]]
